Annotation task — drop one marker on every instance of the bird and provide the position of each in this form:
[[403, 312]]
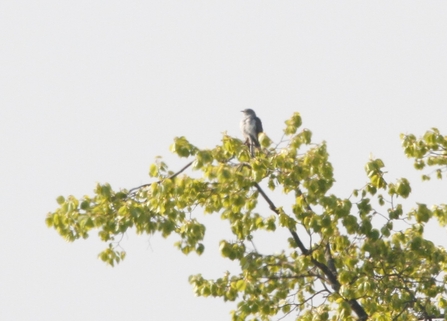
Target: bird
[[251, 127]]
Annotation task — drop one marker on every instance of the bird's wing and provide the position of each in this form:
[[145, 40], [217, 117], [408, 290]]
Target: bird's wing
[[258, 125]]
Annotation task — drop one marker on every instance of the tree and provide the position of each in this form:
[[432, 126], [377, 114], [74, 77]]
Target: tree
[[354, 258]]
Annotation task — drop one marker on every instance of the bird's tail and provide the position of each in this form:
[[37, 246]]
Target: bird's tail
[[254, 142]]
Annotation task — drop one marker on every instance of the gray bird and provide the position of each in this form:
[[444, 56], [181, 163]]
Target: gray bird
[[251, 126]]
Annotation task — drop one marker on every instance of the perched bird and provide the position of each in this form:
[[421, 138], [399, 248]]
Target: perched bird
[[251, 126]]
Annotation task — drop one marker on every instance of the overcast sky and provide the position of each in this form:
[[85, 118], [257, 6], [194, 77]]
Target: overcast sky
[[92, 91]]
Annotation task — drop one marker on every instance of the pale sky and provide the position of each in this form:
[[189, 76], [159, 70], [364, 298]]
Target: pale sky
[[92, 91]]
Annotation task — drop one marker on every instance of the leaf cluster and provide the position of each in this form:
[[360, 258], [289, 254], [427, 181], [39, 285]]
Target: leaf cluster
[[428, 150]]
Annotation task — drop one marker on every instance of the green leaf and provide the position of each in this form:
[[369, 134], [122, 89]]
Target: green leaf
[[423, 214], [293, 124], [60, 200], [403, 188], [153, 170], [241, 285]]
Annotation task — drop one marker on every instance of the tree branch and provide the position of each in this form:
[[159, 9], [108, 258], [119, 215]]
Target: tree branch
[[332, 277], [158, 182], [329, 272]]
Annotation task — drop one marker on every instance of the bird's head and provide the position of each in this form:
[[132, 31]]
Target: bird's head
[[248, 112]]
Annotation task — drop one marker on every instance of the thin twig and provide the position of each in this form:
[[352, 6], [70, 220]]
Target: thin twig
[[158, 182]]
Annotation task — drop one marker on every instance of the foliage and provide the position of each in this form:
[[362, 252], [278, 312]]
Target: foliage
[[430, 150], [366, 258]]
